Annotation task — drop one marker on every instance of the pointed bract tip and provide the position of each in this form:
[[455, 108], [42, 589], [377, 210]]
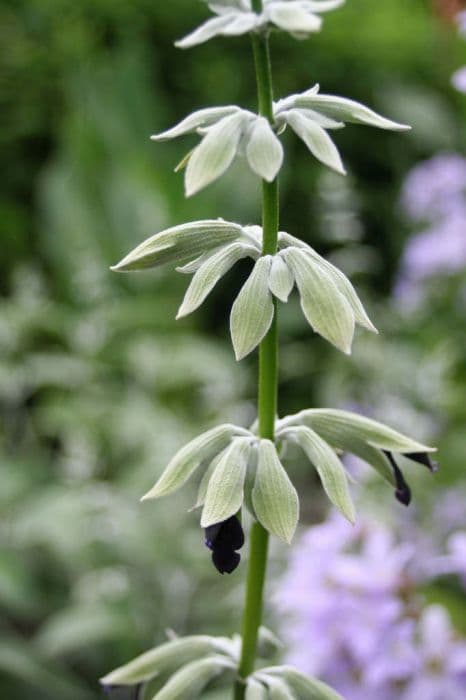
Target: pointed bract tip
[[181, 314], [118, 267], [149, 496], [240, 355], [191, 191]]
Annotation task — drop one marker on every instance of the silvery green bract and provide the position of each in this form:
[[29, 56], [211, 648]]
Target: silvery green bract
[[183, 666], [230, 131], [226, 453], [208, 249], [167, 657], [226, 131], [297, 684], [347, 432], [240, 468], [328, 299], [190, 662], [200, 450], [234, 17], [311, 114], [180, 244]]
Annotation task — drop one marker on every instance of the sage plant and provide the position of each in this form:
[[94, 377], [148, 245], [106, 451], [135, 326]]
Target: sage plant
[[242, 467]]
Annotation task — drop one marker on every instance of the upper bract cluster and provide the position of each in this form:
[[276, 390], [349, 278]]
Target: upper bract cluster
[[234, 17]]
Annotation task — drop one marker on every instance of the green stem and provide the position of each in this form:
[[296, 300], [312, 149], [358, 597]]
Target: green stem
[[268, 381]]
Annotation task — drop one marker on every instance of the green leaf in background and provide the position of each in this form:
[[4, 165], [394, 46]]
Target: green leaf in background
[[22, 662]]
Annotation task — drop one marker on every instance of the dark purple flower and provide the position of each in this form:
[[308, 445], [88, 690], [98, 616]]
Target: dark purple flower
[[224, 539], [403, 492], [422, 458]]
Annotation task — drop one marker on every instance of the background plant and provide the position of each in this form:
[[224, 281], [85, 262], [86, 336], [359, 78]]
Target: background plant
[[59, 59]]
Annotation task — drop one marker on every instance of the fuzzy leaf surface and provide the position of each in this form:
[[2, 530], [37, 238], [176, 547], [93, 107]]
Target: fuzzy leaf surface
[[264, 151], [304, 687], [325, 308], [187, 460], [281, 280], [253, 309], [274, 497], [201, 118], [331, 471], [180, 244], [210, 272], [214, 154], [316, 139], [255, 690], [166, 657], [225, 491], [346, 423], [190, 680]]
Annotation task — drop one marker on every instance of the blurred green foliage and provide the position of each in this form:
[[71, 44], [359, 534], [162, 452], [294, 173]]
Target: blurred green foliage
[[99, 385]]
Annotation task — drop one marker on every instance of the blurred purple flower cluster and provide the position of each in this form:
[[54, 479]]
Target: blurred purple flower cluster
[[353, 614], [434, 193], [459, 77]]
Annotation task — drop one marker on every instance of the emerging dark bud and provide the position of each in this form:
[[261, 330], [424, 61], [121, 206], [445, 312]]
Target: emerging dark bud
[[224, 539], [423, 458], [402, 491], [124, 692]]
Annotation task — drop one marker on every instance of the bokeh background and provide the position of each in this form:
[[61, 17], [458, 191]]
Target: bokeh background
[[99, 385]]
